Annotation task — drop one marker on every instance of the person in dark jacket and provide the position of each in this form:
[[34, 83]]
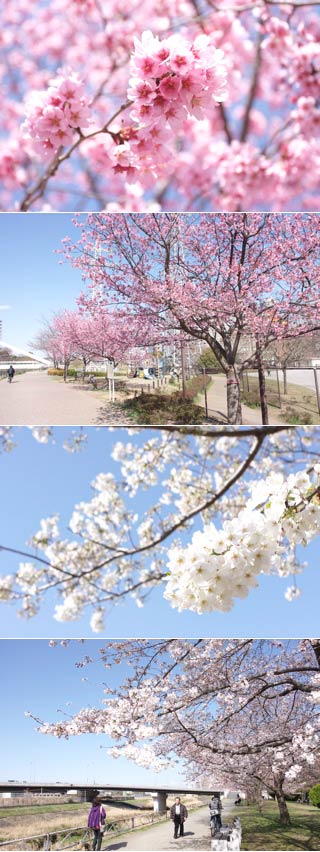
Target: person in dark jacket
[[178, 814], [215, 808], [96, 821], [10, 372]]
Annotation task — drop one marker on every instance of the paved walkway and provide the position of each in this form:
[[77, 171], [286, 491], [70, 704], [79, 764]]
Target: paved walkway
[[36, 399], [217, 402], [160, 837]]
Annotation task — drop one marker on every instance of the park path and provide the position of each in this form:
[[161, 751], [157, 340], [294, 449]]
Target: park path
[[217, 402], [36, 398], [159, 838]]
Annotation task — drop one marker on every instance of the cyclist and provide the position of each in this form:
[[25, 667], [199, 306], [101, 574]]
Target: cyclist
[[215, 808], [10, 372]]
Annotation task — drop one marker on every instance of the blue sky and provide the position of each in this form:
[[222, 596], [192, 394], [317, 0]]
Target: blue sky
[[42, 680], [39, 480], [33, 283]]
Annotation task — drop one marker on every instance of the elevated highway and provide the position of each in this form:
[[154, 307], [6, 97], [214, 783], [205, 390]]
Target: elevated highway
[[88, 791]]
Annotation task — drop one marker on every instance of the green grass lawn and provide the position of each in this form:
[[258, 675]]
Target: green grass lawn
[[264, 832]]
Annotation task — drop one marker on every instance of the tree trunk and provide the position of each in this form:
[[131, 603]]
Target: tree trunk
[[316, 649], [65, 371], [283, 809], [262, 388], [233, 396], [285, 384], [183, 370]]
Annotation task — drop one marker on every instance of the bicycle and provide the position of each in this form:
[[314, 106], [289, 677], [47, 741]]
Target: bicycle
[[214, 823]]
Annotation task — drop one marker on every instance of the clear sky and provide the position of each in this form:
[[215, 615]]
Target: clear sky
[[39, 480], [44, 680], [33, 283]]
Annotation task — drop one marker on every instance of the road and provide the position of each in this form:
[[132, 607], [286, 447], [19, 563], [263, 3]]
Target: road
[[160, 837], [303, 378], [36, 399]]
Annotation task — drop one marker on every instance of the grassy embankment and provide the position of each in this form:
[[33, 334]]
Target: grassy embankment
[[298, 405], [262, 831], [23, 821]]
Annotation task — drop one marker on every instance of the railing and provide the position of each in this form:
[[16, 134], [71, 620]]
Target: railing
[[49, 838], [134, 386]]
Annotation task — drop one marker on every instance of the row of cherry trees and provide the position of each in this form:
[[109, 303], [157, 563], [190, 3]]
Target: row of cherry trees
[[239, 713], [214, 106], [230, 505], [109, 336], [237, 282]]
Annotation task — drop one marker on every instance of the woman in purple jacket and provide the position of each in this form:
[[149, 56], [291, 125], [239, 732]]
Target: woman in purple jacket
[[96, 821]]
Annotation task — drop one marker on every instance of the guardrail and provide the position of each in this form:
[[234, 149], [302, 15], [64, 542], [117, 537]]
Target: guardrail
[[83, 842]]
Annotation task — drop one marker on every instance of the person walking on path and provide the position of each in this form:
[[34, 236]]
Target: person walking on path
[[10, 373], [96, 821], [215, 808], [178, 814]]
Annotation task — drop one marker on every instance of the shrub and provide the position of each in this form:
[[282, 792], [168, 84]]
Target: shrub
[[196, 385], [58, 371], [314, 795], [251, 398], [208, 360], [160, 408], [289, 415]]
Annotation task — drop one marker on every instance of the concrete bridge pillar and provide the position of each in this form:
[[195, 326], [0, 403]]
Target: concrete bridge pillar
[[159, 802]]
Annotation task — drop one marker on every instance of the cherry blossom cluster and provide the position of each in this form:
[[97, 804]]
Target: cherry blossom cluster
[[75, 442], [55, 115], [175, 78], [170, 80], [176, 143], [220, 510], [220, 565]]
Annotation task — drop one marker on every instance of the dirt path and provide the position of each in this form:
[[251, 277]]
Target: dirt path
[[36, 399], [160, 837]]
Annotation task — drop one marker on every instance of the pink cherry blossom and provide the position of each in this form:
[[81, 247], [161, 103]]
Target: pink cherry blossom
[[232, 85], [214, 278]]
